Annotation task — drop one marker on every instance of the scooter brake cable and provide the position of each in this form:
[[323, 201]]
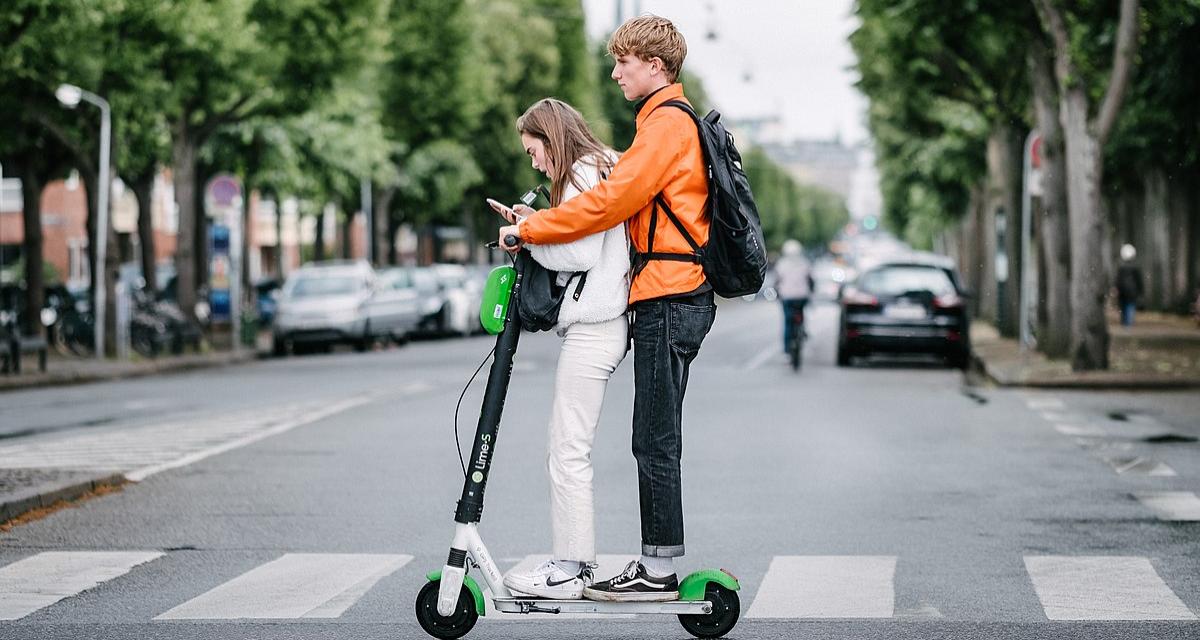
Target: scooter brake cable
[[457, 443]]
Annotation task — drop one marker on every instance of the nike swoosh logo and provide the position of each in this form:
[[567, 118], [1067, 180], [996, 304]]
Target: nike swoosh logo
[[551, 583]]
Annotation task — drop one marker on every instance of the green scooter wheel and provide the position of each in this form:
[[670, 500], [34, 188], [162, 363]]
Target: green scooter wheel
[[726, 607], [451, 627]]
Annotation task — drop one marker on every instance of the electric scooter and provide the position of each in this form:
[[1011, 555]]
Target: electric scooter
[[450, 604]]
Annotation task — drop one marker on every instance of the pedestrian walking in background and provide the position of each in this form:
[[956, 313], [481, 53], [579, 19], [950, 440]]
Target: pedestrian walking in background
[[1129, 284]]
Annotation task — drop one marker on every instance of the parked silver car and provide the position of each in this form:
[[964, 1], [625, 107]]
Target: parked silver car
[[397, 305], [323, 304]]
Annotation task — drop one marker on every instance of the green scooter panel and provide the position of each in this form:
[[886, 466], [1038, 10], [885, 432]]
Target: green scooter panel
[[497, 293], [693, 586]]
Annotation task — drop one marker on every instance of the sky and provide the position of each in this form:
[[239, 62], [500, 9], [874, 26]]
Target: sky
[[788, 58]]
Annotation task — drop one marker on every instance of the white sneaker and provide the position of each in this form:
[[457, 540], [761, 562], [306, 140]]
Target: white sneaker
[[549, 581]]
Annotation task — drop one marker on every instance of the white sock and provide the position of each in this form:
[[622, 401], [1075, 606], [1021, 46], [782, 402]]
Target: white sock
[[572, 567], [658, 567]]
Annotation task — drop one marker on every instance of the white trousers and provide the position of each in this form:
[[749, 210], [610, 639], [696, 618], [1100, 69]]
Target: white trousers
[[590, 353]]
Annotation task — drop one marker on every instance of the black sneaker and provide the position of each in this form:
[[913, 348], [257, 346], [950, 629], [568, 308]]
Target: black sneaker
[[634, 585]]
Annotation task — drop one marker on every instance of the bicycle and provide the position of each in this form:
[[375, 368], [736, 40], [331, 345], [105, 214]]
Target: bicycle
[[796, 344]]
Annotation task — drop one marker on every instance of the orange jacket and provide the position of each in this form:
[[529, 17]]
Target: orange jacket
[[666, 158]]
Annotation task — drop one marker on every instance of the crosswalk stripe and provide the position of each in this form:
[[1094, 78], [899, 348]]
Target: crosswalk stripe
[[1174, 506], [1103, 588], [1044, 404], [42, 580], [296, 585], [827, 587], [608, 565]]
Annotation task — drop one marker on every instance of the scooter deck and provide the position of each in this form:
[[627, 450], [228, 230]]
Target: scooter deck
[[545, 605]]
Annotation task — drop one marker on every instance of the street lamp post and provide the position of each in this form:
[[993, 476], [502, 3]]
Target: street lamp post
[[70, 95]]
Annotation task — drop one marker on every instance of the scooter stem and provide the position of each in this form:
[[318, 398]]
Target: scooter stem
[[470, 505]]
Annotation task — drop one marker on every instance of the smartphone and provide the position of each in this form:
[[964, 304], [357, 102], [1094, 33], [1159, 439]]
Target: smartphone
[[496, 205]]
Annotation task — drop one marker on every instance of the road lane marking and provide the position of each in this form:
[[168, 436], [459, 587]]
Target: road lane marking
[[337, 407], [1059, 416], [1044, 404], [1139, 466], [827, 587], [1103, 588], [608, 565], [296, 585], [42, 580], [1085, 431], [1172, 506], [762, 358]]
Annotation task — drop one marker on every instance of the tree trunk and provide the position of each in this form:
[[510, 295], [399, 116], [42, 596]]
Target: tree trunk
[[347, 237], [143, 190], [280, 261], [1154, 253], [1004, 203], [384, 234], [1089, 275], [202, 225], [1054, 328], [985, 257], [183, 156], [393, 227], [31, 197], [1177, 200], [319, 236]]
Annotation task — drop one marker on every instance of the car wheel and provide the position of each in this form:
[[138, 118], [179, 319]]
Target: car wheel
[[279, 347], [961, 359], [843, 355]]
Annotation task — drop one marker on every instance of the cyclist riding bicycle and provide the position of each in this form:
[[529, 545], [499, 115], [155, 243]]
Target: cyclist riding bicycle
[[794, 284]]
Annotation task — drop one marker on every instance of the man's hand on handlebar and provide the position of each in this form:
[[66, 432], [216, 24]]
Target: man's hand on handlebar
[[515, 232]]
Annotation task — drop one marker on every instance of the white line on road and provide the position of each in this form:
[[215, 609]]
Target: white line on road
[[1044, 404], [1173, 506], [1086, 431], [40, 581], [337, 407], [1058, 416], [1139, 466], [827, 587], [296, 585], [1103, 588], [762, 358]]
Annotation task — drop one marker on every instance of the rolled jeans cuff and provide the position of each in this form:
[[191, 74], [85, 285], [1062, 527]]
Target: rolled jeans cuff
[[662, 551]]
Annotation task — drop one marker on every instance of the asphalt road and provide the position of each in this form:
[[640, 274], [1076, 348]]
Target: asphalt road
[[307, 497]]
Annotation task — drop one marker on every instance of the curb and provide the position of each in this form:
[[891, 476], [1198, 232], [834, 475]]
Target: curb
[[1098, 380], [66, 378], [23, 503]]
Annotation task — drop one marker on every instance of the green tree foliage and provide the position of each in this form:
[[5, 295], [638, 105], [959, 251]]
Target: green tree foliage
[[939, 78], [790, 210]]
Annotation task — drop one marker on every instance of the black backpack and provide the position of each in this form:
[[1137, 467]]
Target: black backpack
[[735, 257]]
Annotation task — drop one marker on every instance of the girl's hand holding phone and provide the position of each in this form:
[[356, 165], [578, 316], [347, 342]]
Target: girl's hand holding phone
[[508, 214]]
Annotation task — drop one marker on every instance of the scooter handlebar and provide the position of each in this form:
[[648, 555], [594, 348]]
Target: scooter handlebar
[[511, 241]]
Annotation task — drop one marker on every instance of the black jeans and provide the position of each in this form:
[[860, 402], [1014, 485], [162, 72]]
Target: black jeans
[[666, 337]]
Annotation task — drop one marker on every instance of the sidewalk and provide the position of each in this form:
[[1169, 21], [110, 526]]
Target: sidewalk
[[1159, 352], [62, 370]]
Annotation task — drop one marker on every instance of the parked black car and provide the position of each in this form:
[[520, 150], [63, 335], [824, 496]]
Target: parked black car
[[905, 306]]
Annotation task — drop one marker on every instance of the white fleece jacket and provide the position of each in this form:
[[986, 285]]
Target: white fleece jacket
[[604, 256]]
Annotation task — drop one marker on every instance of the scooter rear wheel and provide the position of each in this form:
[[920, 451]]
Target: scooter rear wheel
[[726, 607], [451, 627]]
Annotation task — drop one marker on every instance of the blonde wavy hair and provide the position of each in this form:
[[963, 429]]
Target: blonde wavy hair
[[651, 36]]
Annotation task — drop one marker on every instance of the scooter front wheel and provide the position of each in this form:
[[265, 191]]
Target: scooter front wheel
[[451, 627], [726, 607]]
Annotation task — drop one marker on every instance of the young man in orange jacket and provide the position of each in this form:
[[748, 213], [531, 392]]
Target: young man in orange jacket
[[671, 302]]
